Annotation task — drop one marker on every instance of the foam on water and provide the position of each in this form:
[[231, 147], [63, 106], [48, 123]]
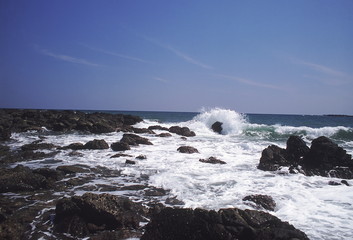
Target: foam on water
[[309, 203]]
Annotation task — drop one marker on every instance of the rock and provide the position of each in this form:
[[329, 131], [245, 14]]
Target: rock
[[183, 131], [187, 149], [174, 201], [120, 155], [141, 157], [96, 144], [134, 140], [130, 162], [272, 158], [217, 127], [324, 158], [157, 127], [142, 130], [164, 135], [5, 134], [263, 201], [199, 224], [296, 149], [74, 146], [90, 213], [37, 146], [73, 169], [212, 160], [325, 154], [154, 192], [120, 146], [21, 179]]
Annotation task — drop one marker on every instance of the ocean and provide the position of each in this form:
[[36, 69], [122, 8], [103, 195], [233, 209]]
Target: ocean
[[321, 210]]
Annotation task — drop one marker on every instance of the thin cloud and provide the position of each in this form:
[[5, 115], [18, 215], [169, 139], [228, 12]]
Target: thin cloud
[[324, 74], [67, 58], [117, 54], [186, 57], [323, 69], [250, 82], [163, 80]]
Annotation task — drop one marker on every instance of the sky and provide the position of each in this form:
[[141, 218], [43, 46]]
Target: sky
[[273, 56]]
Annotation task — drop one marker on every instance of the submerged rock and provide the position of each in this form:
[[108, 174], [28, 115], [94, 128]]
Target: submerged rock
[[225, 224], [96, 144], [263, 201], [212, 160], [217, 127], [187, 149]]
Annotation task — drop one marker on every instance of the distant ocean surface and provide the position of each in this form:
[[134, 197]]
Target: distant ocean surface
[[312, 205]]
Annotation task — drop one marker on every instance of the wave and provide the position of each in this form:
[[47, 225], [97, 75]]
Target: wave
[[235, 123]]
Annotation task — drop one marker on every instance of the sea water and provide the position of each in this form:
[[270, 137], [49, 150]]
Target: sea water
[[310, 204]]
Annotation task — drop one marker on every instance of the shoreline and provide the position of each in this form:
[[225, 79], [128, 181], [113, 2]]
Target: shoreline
[[39, 199]]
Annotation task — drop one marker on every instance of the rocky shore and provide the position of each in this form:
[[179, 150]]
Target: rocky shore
[[42, 202]]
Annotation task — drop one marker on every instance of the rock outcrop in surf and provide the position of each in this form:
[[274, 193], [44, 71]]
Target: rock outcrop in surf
[[324, 158]]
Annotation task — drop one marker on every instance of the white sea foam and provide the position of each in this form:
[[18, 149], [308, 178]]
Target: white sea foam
[[309, 203]]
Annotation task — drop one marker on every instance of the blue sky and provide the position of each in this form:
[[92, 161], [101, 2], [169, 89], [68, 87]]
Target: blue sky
[[282, 56]]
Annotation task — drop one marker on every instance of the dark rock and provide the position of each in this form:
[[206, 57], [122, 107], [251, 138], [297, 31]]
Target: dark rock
[[296, 149], [263, 201], [334, 183], [141, 157], [174, 201], [120, 146], [187, 149], [142, 130], [164, 135], [134, 140], [217, 127], [324, 158], [212, 160], [90, 213], [183, 131], [37, 146], [157, 127], [155, 192], [120, 155], [133, 187], [96, 144], [225, 224], [345, 182], [49, 173], [21, 179], [130, 162], [5, 134], [272, 158], [75, 154], [73, 169], [74, 146]]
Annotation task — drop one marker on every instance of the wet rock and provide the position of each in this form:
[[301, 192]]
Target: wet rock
[[141, 157], [199, 224], [187, 149], [73, 169], [217, 127], [120, 155], [154, 192], [183, 131], [272, 158], [5, 134], [263, 201], [157, 127], [120, 146], [174, 201], [134, 140], [90, 213], [74, 146], [96, 144], [212, 160], [142, 130], [75, 154], [21, 179], [37, 146], [134, 187], [345, 182], [164, 135], [324, 158], [130, 162]]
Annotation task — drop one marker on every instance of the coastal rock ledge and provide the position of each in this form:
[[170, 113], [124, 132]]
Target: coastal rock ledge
[[324, 158]]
